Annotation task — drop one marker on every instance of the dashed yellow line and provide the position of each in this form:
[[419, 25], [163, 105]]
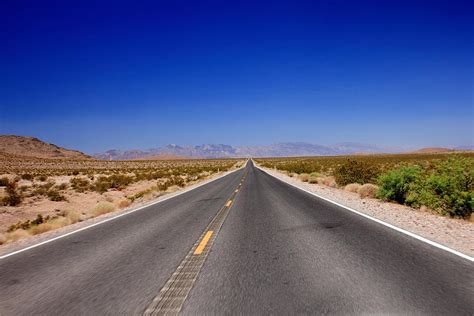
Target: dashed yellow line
[[203, 243], [228, 203]]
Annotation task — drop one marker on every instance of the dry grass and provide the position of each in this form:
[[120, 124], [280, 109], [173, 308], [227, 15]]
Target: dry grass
[[328, 181], [72, 216], [14, 236], [352, 187], [367, 190], [103, 208]]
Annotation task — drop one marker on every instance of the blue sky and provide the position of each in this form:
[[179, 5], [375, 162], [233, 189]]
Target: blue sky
[[98, 75]]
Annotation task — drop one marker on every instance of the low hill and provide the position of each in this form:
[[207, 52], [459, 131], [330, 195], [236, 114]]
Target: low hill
[[432, 150], [32, 147]]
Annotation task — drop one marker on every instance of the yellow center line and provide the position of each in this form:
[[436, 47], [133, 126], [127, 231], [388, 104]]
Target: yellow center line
[[228, 203], [203, 243]]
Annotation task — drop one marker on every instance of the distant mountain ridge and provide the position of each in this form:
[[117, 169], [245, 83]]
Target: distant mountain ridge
[[33, 147], [288, 149]]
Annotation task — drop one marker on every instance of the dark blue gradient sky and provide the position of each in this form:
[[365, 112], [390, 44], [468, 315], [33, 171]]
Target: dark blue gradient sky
[[98, 75]]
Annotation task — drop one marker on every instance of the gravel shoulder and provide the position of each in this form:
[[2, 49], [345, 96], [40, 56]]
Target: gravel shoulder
[[457, 234]]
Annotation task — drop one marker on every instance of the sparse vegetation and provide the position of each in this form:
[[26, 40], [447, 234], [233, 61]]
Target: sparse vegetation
[[80, 184], [443, 182], [354, 171], [54, 195], [95, 187]]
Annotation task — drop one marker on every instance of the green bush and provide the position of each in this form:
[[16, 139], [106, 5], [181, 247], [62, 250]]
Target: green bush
[[449, 188], [354, 171], [395, 185]]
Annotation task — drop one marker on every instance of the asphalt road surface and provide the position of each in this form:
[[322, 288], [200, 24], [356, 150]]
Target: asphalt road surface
[[279, 251]]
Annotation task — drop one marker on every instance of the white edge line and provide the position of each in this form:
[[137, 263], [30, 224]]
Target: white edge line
[[401, 230], [117, 216]]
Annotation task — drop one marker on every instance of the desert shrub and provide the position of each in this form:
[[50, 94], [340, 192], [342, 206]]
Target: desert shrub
[[61, 187], [20, 225], [304, 177], [101, 186], [179, 181], [13, 197], [115, 181], [80, 184], [39, 220], [103, 208], [3, 182], [23, 188], [163, 186], [27, 176], [448, 188], [367, 190], [354, 171], [313, 177], [352, 187], [396, 185], [54, 195], [25, 225], [42, 178], [43, 189]]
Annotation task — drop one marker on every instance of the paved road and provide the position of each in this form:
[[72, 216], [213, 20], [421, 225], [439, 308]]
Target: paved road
[[279, 251]]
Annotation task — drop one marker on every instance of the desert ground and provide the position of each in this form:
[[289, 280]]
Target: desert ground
[[42, 194]]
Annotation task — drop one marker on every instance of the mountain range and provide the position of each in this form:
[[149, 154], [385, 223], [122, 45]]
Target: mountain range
[[23, 146], [289, 149]]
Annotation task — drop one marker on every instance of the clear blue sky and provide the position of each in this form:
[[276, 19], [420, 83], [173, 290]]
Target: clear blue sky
[[97, 75]]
